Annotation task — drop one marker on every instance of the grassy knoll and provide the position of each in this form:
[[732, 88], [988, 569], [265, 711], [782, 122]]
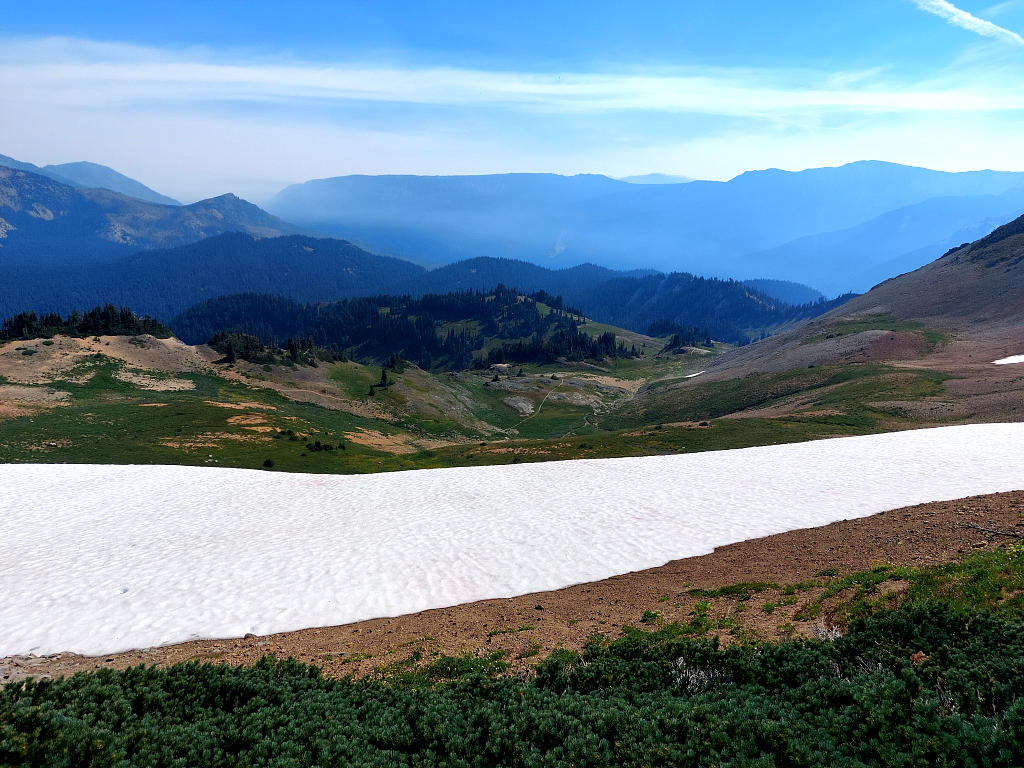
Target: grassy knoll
[[878, 322], [849, 389], [217, 422]]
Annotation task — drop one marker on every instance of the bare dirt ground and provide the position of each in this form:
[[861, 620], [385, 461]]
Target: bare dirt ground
[[302, 384], [16, 401], [530, 626], [154, 383], [399, 443], [48, 362]]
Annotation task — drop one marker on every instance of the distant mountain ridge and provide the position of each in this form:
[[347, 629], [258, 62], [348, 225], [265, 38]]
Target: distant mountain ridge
[[702, 227], [166, 282], [47, 222], [163, 282], [93, 176], [655, 178], [898, 241]]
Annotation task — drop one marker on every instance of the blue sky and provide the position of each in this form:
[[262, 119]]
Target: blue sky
[[201, 98]]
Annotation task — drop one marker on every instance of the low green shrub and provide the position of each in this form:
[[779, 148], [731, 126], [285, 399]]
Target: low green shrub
[[923, 685]]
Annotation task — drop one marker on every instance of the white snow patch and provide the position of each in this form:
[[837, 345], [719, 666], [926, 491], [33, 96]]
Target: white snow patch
[[1010, 360], [691, 375], [97, 559]]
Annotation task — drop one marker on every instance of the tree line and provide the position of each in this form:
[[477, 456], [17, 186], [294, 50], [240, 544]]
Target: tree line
[[451, 331], [107, 320]]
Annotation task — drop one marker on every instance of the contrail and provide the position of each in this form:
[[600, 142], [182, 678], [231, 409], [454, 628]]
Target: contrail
[[968, 21]]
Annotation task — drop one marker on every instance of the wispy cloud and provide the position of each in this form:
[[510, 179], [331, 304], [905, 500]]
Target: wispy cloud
[[89, 75], [961, 18], [194, 122]]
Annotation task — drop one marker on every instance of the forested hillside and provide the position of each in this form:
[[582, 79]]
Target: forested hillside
[[439, 331], [164, 283]]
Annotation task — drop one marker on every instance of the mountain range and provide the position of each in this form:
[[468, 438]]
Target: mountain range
[[67, 241], [93, 176], [836, 229], [166, 282], [45, 222]]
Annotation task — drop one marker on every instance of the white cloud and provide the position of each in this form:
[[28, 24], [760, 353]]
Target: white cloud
[[192, 125], [99, 76], [960, 18]]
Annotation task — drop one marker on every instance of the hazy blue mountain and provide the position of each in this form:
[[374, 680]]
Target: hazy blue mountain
[[10, 162], [655, 178], [978, 285], [785, 290], [895, 242], [484, 273], [704, 227], [85, 174], [43, 221], [440, 219], [91, 175]]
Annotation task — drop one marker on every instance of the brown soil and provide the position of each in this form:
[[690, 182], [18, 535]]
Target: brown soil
[[247, 418], [154, 383], [241, 406], [302, 384], [400, 443], [213, 440], [530, 626], [47, 362], [626, 385], [896, 345], [18, 401]]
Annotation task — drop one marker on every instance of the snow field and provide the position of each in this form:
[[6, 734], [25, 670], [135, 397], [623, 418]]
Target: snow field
[[1010, 360], [96, 559]]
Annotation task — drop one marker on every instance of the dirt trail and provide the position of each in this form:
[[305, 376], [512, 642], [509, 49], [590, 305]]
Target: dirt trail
[[530, 626]]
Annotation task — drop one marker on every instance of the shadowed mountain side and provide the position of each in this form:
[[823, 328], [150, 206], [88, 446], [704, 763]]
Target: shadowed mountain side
[[485, 272], [164, 282], [44, 222]]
